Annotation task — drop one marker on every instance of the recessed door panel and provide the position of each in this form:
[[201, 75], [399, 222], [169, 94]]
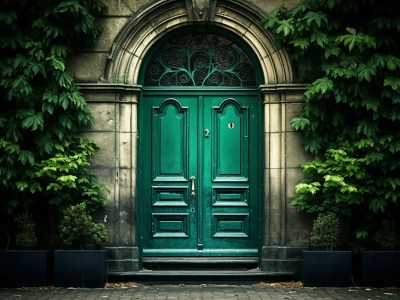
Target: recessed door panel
[[230, 196], [169, 140], [230, 126], [170, 225]]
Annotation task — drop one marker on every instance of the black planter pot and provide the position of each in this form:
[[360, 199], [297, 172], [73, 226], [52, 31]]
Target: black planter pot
[[380, 268], [80, 268], [19, 268], [327, 268]]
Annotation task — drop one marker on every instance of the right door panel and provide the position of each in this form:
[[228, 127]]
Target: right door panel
[[230, 218]]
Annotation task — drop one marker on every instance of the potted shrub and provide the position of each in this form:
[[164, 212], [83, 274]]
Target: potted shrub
[[26, 236], [25, 266], [381, 266], [78, 267], [324, 265]]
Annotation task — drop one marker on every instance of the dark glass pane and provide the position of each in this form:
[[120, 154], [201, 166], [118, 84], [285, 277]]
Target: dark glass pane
[[200, 60]]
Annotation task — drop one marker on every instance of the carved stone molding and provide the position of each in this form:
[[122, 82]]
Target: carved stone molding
[[201, 10]]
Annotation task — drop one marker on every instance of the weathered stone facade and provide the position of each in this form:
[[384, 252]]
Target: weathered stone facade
[[108, 75]]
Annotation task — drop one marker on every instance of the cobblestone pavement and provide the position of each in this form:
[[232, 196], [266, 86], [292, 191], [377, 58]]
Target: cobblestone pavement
[[198, 291]]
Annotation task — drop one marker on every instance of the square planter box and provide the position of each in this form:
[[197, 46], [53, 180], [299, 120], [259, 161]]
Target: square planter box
[[19, 268], [380, 268], [327, 268], [80, 268]]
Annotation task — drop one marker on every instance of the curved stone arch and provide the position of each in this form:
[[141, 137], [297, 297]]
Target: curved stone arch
[[153, 23]]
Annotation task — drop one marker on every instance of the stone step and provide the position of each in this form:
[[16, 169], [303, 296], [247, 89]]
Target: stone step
[[200, 275], [198, 263]]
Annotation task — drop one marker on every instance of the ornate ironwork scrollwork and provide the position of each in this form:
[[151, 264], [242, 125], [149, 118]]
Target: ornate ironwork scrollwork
[[200, 60]]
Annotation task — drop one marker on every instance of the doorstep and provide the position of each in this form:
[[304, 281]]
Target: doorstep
[[229, 275]]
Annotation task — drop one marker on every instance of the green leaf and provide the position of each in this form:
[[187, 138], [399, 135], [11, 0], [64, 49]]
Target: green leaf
[[299, 123], [315, 17], [367, 128], [3, 121], [392, 62], [335, 51], [25, 157], [59, 51], [64, 100], [378, 205], [319, 86], [393, 182], [66, 178], [47, 107], [374, 157], [286, 27], [365, 72], [333, 178], [393, 82], [361, 234], [311, 188], [50, 97], [21, 185], [65, 80], [33, 121], [313, 145], [320, 38], [57, 63], [8, 17], [377, 60], [348, 39], [54, 186], [365, 143], [69, 6], [66, 121], [302, 43]]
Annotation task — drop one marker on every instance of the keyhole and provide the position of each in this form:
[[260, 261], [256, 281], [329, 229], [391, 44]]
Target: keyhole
[[192, 210], [231, 125]]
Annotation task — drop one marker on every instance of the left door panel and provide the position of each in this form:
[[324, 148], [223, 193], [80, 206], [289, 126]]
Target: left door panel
[[169, 144]]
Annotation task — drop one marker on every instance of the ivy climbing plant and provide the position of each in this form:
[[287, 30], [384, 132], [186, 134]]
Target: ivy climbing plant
[[43, 158], [350, 121]]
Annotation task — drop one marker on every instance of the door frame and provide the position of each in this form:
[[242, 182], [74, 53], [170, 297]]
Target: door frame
[[218, 91]]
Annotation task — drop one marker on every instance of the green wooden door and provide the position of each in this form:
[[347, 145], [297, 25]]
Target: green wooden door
[[199, 174]]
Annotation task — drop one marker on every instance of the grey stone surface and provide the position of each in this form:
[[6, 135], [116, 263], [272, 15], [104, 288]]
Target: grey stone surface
[[195, 291]]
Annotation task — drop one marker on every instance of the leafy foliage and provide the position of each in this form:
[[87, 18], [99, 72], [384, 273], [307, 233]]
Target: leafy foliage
[[325, 230], [78, 228], [387, 237], [42, 157], [26, 229], [351, 116]]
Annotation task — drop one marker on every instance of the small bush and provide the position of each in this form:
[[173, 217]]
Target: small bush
[[27, 229], [77, 228], [325, 230]]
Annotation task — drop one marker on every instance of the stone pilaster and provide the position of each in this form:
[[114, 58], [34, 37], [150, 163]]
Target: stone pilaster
[[280, 251], [114, 107]]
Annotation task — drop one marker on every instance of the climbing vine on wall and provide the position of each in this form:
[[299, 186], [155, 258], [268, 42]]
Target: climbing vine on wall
[[42, 156], [351, 117]]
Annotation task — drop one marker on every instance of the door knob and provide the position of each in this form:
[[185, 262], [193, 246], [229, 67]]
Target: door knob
[[206, 132], [193, 193]]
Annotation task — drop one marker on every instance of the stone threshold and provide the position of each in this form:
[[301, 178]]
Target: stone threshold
[[190, 275]]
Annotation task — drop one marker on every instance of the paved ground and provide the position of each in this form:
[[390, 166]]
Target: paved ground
[[199, 291]]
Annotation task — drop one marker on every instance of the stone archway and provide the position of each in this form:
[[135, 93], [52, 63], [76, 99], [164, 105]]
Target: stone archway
[[145, 30], [281, 99]]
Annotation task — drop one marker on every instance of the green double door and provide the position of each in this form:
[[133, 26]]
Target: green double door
[[199, 183]]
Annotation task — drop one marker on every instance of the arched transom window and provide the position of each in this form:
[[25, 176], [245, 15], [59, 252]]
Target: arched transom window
[[200, 60]]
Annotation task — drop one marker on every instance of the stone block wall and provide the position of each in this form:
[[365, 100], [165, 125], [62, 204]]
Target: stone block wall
[[107, 74]]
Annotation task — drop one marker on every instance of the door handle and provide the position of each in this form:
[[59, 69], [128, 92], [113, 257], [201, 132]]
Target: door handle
[[206, 132], [193, 193]]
